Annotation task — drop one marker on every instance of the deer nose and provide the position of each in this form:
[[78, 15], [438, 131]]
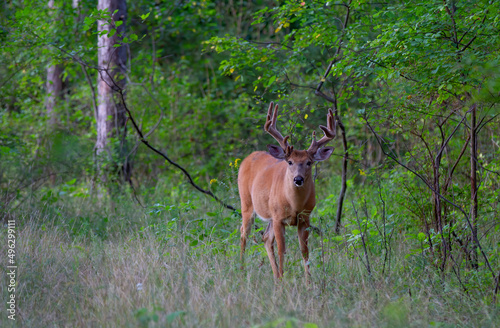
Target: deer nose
[[299, 181]]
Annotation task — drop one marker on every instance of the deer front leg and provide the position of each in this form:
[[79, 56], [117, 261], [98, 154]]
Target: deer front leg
[[303, 233], [268, 239], [279, 234]]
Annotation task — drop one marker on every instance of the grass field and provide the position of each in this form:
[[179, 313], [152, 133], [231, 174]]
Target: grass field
[[138, 268]]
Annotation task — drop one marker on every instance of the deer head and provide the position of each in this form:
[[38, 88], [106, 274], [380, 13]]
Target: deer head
[[299, 161]]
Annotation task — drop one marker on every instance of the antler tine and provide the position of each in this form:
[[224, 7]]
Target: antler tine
[[270, 127], [330, 131]]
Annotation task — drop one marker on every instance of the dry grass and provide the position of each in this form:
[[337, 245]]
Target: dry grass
[[134, 279]]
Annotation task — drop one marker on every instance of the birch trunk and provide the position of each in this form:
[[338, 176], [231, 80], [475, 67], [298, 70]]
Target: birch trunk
[[54, 83], [473, 184], [112, 60]]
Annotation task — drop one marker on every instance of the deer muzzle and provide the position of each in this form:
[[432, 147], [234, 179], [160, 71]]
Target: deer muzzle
[[298, 181]]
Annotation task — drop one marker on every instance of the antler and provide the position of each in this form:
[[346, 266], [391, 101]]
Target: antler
[[270, 127], [330, 131]]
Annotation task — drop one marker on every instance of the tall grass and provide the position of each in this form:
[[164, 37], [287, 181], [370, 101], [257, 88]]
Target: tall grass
[[147, 269]]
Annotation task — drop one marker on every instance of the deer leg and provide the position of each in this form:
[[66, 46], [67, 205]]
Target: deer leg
[[279, 234], [268, 239], [246, 227], [303, 233]]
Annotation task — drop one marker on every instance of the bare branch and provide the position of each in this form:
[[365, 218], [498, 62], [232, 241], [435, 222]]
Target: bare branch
[[91, 85], [475, 36]]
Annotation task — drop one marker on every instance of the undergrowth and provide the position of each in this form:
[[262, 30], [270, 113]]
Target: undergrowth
[[177, 264]]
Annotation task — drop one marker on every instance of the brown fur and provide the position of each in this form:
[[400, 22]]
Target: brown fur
[[266, 188], [279, 188]]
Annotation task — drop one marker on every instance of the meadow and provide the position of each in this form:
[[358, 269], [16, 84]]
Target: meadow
[[178, 266]]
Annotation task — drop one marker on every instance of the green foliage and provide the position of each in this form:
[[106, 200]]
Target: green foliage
[[200, 76], [145, 317]]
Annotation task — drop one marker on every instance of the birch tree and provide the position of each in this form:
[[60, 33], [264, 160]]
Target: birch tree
[[54, 82], [112, 59]]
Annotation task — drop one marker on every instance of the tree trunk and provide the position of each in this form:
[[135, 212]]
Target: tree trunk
[[111, 115], [473, 183], [54, 84], [340, 201], [54, 89]]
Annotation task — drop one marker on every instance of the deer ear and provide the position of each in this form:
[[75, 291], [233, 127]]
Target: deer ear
[[322, 154], [276, 152]]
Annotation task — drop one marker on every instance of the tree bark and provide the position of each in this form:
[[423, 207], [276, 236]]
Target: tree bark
[[111, 115], [54, 84], [473, 183], [54, 89], [340, 201]]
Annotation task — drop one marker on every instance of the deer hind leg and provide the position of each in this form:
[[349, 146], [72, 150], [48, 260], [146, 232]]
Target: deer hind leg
[[268, 239], [279, 234], [246, 227], [303, 233]]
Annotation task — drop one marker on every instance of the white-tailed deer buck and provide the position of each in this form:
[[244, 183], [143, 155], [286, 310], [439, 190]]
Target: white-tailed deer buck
[[279, 188]]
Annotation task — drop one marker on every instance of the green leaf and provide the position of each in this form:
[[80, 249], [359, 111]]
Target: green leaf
[[4, 150], [310, 325], [337, 238], [145, 16], [271, 80], [171, 316]]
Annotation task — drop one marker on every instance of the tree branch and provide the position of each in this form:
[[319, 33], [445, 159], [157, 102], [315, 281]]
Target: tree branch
[[183, 170]]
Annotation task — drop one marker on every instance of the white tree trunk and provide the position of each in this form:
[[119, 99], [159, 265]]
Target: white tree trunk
[[54, 83], [112, 66], [54, 89]]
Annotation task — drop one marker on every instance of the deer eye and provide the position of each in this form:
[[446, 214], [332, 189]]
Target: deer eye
[[308, 163], [290, 163]]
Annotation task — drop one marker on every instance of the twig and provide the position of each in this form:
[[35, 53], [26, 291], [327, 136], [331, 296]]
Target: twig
[[367, 261], [475, 36], [91, 85]]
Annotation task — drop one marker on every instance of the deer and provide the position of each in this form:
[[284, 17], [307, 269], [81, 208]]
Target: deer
[[278, 187]]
